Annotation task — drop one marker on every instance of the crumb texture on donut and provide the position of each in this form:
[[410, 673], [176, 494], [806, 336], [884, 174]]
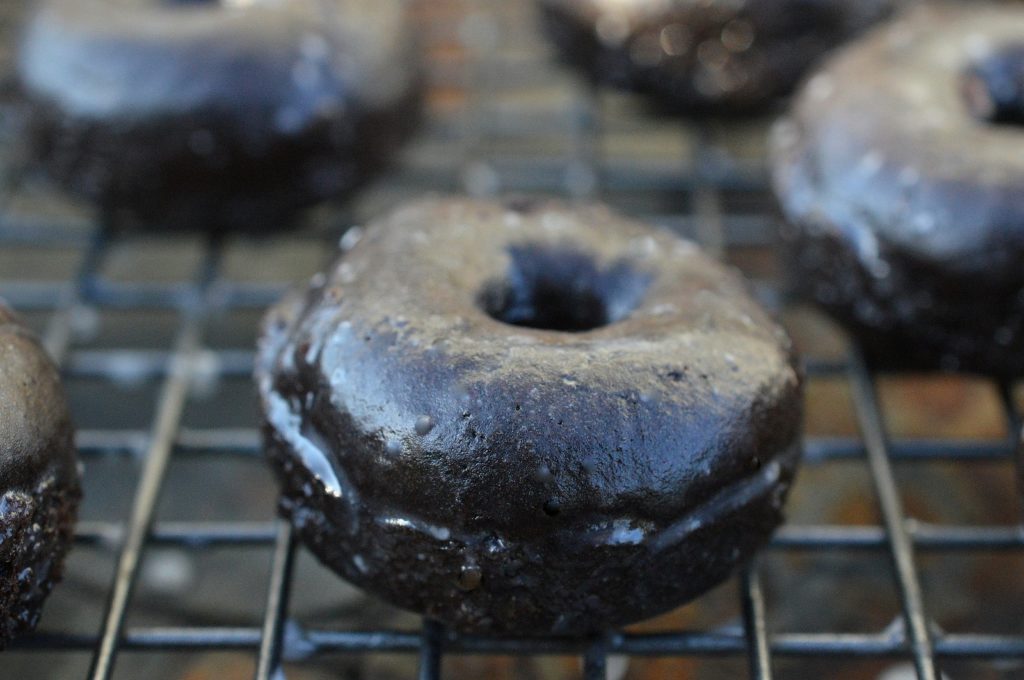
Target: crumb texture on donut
[[517, 417], [36, 528]]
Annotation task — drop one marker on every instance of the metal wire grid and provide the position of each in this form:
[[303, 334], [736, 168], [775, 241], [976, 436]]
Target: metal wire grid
[[482, 72]]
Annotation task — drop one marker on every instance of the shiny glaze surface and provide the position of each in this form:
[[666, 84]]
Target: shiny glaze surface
[[901, 167], [509, 478], [706, 57], [39, 478]]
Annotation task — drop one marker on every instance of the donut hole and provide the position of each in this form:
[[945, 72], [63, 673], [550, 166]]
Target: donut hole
[[560, 288], [993, 88]]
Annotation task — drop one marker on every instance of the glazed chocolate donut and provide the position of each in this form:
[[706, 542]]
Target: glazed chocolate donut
[[718, 56], [39, 478], [901, 170], [217, 113], [526, 418]]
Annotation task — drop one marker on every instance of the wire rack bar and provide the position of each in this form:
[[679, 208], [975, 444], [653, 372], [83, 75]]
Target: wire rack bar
[[184, 534], [168, 416], [430, 649], [1015, 435], [189, 441], [33, 296], [311, 643], [268, 665], [755, 626], [595, 659], [901, 547], [57, 338], [140, 365], [710, 230]]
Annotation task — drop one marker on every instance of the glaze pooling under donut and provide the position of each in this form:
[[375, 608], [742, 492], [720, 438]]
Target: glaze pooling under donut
[[719, 56], [520, 417], [901, 168], [39, 479], [214, 114]]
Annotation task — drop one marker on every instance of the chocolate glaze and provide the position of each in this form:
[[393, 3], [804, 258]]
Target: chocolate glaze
[[39, 479], [214, 114], [705, 57], [520, 417], [900, 169]]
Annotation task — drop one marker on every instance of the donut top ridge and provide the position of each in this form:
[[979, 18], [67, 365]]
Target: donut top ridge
[[500, 418]]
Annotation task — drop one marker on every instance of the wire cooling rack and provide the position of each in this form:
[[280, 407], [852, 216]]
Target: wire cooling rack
[[146, 329]]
